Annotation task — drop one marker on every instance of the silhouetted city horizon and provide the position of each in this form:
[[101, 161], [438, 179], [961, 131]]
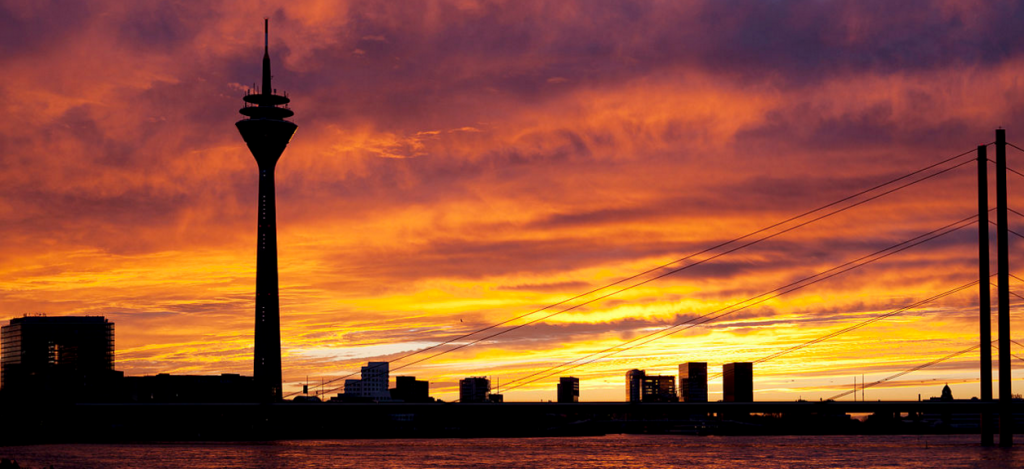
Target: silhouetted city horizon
[[574, 219]]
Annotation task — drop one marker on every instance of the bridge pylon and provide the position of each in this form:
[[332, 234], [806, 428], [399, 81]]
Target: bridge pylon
[[1003, 286], [984, 296]]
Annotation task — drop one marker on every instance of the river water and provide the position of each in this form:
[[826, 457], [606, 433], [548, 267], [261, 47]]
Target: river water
[[612, 451]]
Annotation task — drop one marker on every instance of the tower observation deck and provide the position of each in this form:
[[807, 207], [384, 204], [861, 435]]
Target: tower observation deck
[[267, 133]]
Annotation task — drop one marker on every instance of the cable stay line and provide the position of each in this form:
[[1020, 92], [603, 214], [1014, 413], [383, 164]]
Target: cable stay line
[[683, 259], [1018, 296], [860, 324], [905, 372], [742, 305], [1011, 292], [917, 368], [1014, 355], [674, 271], [1014, 211], [990, 222], [940, 360], [864, 260], [1014, 171], [870, 321]]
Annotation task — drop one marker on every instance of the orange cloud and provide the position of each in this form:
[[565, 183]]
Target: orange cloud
[[481, 160]]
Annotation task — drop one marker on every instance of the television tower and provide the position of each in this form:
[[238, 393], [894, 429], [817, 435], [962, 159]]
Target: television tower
[[266, 132]]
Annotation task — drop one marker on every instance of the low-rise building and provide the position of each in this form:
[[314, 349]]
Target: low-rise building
[[568, 389], [167, 388], [474, 389], [60, 356], [372, 385], [409, 389], [693, 382], [738, 382], [641, 387]]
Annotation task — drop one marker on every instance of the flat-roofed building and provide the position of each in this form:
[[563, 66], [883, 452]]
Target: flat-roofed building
[[660, 388], [641, 387], [693, 382], [353, 388], [63, 355], [167, 388], [374, 377], [738, 382], [568, 389], [474, 389], [410, 389], [372, 385]]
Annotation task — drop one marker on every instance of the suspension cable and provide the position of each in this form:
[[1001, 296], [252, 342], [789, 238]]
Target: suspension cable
[[674, 271], [735, 307]]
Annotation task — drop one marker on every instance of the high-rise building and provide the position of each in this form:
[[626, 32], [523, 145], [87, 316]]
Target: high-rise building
[[693, 382], [474, 389], [72, 355], [641, 387], [568, 389], [266, 133], [738, 382]]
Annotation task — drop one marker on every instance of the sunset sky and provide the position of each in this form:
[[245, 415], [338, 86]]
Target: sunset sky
[[461, 163]]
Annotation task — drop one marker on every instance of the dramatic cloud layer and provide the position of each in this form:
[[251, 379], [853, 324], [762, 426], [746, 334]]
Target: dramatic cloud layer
[[462, 163]]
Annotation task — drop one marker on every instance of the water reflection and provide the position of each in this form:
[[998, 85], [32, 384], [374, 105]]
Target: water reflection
[[618, 451]]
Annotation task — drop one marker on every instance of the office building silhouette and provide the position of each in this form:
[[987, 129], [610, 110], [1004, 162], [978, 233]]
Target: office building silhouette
[[738, 382], [568, 389], [641, 387], [693, 382], [474, 389], [372, 385], [410, 389], [69, 356]]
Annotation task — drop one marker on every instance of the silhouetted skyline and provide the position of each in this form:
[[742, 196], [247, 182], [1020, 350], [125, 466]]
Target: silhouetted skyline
[[459, 166]]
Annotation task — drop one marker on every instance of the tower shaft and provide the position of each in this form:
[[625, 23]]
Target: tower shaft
[[267, 353], [267, 139]]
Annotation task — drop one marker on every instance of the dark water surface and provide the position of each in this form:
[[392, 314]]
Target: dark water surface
[[612, 451]]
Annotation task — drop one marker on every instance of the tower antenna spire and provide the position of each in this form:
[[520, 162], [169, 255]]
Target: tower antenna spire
[[267, 89]]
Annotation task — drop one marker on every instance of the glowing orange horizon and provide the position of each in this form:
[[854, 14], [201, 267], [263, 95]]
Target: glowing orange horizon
[[463, 163]]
